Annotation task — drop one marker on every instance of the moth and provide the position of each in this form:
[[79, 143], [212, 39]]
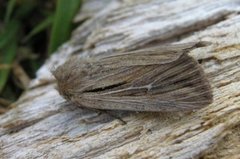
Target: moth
[[157, 78]]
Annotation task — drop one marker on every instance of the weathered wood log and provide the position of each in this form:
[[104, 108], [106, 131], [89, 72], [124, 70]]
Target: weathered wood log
[[43, 125]]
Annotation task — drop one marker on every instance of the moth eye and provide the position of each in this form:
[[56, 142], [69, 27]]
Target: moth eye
[[65, 94]]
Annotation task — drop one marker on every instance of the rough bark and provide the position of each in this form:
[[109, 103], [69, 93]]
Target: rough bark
[[41, 124]]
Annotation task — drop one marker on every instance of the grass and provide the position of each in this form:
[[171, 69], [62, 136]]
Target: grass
[[62, 23], [30, 31]]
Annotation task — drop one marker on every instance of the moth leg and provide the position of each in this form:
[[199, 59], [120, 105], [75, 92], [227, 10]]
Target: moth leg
[[112, 115]]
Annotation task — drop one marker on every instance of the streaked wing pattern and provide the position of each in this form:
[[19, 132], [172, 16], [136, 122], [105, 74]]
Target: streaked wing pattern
[[145, 80]]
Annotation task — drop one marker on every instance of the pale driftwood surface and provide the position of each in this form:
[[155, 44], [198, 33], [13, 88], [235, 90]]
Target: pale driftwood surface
[[44, 125]]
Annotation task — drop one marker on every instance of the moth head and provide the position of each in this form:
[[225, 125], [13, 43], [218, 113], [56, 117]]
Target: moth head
[[62, 86], [63, 92], [64, 78], [69, 77]]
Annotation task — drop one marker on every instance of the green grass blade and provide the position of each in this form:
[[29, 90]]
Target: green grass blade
[[8, 33], [25, 9], [10, 7], [7, 57], [61, 28], [40, 27], [8, 47]]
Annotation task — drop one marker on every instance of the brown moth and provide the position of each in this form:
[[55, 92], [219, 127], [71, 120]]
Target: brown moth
[[162, 78]]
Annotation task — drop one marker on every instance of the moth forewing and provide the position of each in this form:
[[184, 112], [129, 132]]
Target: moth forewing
[[151, 79]]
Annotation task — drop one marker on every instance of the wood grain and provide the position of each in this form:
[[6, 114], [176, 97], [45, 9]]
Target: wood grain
[[44, 125]]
